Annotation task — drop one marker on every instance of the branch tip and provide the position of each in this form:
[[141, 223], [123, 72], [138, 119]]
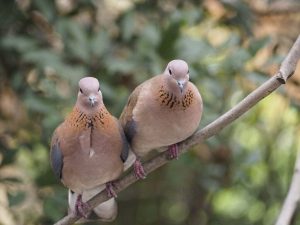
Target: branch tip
[[280, 78]]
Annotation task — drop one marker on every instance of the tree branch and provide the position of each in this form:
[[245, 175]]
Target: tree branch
[[292, 198], [287, 68]]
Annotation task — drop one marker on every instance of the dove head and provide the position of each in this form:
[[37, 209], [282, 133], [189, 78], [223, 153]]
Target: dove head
[[89, 94], [177, 73]]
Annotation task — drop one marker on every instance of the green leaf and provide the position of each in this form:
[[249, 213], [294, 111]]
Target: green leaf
[[128, 25], [232, 202], [55, 204], [77, 41], [11, 180], [150, 35], [42, 57], [257, 44], [75, 38], [37, 104], [16, 198], [169, 36], [47, 8], [100, 43], [19, 43], [193, 50]]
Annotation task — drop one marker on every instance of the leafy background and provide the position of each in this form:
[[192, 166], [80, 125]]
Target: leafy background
[[240, 176]]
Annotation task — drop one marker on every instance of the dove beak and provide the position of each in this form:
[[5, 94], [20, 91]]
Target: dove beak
[[92, 100], [180, 85]]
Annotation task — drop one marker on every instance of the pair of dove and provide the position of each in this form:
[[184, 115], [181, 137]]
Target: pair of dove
[[91, 148]]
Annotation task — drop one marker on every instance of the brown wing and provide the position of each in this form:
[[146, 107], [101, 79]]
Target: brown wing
[[126, 117], [65, 141], [57, 151]]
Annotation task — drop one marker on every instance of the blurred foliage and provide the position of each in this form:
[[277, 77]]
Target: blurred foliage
[[238, 177]]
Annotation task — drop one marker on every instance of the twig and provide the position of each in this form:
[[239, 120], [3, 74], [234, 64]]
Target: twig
[[287, 68], [292, 199]]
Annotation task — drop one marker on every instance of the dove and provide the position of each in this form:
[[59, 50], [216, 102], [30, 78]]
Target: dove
[[161, 112], [88, 150]]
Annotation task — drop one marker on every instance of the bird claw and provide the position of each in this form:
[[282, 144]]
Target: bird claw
[[110, 189], [173, 152], [81, 208], [139, 170]]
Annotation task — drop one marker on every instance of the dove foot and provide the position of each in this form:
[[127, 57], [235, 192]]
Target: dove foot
[[173, 152], [110, 189], [81, 207], [139, 170]]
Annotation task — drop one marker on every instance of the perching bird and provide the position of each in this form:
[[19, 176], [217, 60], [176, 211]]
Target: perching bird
[[88, 149], [162, 111]]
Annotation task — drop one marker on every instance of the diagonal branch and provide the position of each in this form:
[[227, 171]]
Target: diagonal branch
[[287, 68]]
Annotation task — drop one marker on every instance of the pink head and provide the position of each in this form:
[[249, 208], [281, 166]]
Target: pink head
[[89, 94], [177, 72]]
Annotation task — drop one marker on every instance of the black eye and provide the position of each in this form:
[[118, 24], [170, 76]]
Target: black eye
[[170, 71], [80, 90], [188, 71], [98, 89]]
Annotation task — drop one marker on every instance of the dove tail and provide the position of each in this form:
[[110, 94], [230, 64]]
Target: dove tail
[[106, 211]]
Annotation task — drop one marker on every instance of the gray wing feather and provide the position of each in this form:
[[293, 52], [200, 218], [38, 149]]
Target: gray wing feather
[[130, 130], [125, 149], [56, 158]]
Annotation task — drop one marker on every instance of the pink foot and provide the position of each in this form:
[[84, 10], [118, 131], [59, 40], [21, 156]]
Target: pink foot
[[139, 170], [173, 151], [81, 207], [110, 189]]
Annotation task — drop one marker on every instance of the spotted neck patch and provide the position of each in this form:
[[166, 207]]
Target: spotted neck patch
[[81, 120], [168, 99]]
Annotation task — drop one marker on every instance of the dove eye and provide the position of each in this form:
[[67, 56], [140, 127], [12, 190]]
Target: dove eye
[[81, 90], [188, 71], [99, 89], [170, 71]]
